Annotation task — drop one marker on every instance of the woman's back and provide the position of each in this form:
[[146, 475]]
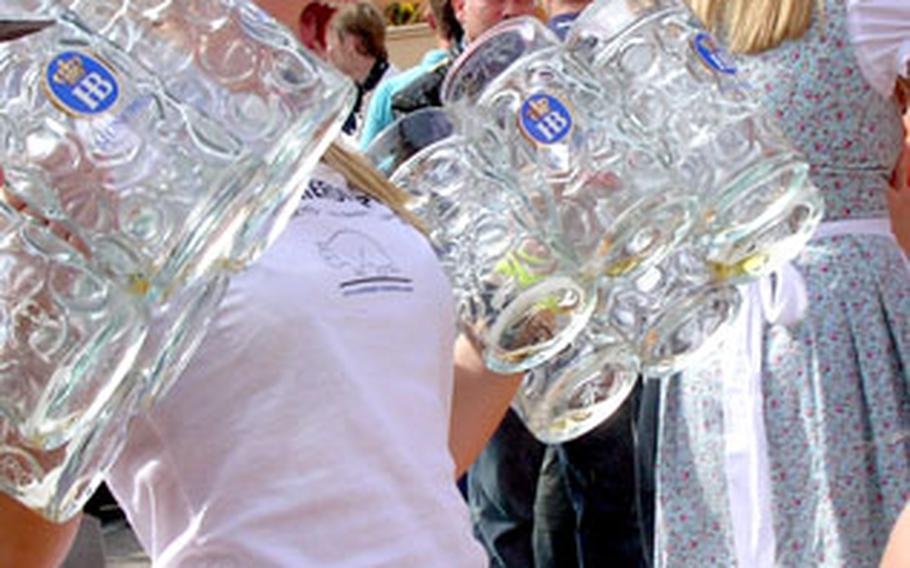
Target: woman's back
[[808, 441], [850, 134], [311, 427]]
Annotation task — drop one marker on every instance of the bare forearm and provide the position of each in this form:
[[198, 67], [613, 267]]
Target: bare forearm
[[28, 539], [479, 402], [897, 555], [899, 198]]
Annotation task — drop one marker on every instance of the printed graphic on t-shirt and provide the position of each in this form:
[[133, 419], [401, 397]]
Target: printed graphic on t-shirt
[[362, 263], [323, 189], [366, 265]]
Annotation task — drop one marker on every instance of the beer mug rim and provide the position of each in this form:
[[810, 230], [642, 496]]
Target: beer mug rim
[[534, 34], [410, 135]]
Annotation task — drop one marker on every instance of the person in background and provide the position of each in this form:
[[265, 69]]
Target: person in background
[[313, 27], [475, 17], [356, 46], [442, 20], [829, 457]]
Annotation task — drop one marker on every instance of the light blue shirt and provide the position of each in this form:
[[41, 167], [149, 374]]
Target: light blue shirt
[[379, 113]]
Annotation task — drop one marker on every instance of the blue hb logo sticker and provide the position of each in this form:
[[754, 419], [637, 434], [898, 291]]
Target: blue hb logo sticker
[[712, 54], [545, 119], [80, 84]]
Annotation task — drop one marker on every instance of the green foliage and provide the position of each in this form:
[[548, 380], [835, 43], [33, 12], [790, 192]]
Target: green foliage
[[403, 13]]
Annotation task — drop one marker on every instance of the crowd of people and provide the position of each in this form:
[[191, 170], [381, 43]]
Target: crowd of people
[[317, 427]]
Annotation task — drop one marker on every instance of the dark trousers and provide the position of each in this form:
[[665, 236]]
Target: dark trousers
[[585, 503], [502, 487]]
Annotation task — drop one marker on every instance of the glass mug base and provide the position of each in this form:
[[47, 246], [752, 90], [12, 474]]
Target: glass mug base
[[688, 330], [767, 246], [537, 324], [645, 235], [566, 405]]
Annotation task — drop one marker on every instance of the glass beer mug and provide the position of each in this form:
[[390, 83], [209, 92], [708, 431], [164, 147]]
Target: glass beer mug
[[70, 334], [515, 289], [171, 143], [678, 88], [652, 325], [618, 206]]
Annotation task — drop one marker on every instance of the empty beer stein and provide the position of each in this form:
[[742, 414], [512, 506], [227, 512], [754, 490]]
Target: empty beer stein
[[515, 292], [676, 86], [618, 205], [187, 146], [154, 190], [143, 156]]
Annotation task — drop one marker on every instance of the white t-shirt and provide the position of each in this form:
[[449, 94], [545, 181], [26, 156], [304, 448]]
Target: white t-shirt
[[311, 427]]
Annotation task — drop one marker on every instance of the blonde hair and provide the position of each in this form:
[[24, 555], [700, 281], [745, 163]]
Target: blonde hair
[[752, 26], [361, 174]]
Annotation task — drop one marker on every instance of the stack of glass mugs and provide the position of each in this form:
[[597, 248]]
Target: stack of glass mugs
[[149, 149], [637, 176]]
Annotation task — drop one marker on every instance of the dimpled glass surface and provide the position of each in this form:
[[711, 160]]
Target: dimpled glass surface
[[668, 187], [684, 93], [194, 169], [515, 291]]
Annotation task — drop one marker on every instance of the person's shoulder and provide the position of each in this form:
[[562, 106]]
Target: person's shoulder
[[390, 73], [384, 90], [424, 90], [432, 58]]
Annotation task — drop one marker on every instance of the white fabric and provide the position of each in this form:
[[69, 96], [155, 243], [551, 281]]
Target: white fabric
[[745, 443], [880, 34], [311, 427], [778, 299]]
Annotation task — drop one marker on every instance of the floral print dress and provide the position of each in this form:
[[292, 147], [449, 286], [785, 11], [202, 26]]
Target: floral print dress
[[834, 386]]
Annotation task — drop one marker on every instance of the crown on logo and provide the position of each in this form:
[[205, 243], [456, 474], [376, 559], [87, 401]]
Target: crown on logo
[[538, 108], [69, 71]]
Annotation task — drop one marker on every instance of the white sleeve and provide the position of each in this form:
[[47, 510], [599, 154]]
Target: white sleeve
[[880, 33]]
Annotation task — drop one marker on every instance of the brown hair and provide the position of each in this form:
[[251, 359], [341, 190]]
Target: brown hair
[[358, 171], [446, 22], [752, 26], [364, 21]]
